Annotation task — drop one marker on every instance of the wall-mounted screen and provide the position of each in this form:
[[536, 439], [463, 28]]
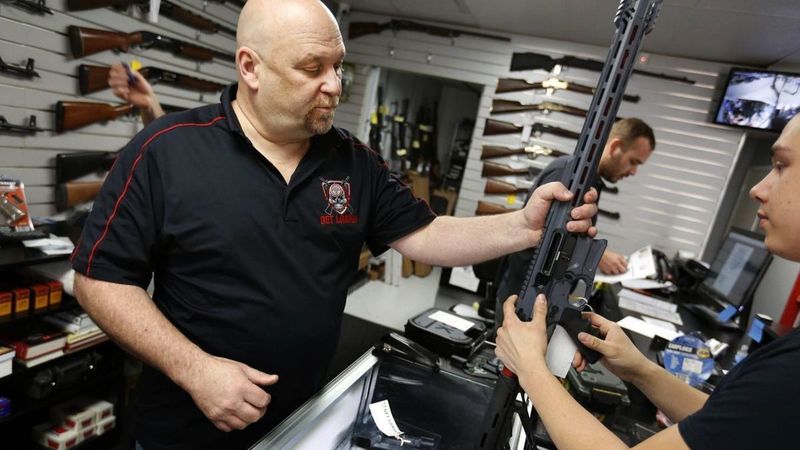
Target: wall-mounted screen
[[759, 99]]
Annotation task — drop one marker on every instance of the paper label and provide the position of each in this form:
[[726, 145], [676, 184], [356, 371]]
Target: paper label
[[384, 420], [560, 351], [452, 320]]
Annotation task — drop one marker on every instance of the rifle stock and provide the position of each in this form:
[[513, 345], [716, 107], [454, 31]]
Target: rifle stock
[[489, 208], [88, 41], [70, 166], [74, 193], [497, 187], [74, 115], [491, 169], [494, 127]]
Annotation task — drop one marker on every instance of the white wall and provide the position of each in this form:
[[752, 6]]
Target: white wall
[[671, 203]]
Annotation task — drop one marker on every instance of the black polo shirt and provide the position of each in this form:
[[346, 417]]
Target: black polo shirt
[[247, 266]]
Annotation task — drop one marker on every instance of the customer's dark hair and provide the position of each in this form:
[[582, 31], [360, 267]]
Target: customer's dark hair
[[631, 129]]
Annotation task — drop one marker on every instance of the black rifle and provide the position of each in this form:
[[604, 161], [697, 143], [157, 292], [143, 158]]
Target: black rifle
[[167, 9], [531, 61], [34, 6], [358, 29], [399, 125], [516, 84], [88, 41], [70, 166], [500, 106], [29, 128], [27, 71], [564, 264], [494, 127], [376, 124], [95, 78], [532, 151]]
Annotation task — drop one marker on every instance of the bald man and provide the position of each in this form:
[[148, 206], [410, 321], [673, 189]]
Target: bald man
[[250, 215]]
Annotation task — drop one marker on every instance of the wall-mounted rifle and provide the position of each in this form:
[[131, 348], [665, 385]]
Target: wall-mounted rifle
[[494, 127], [552, 83], [531, 151], [166, 9], [95, 78], [27, 71], [358, 29], [88, 41], [533, 61]]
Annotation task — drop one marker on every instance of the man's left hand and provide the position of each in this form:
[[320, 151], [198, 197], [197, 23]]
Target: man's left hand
[[539, 203]]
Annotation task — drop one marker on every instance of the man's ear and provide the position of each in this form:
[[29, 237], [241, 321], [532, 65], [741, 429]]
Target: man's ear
[[615, 146], [247, 61]]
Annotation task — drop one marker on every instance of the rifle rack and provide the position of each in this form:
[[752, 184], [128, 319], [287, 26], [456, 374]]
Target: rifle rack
[[30, 128], [18, 70]]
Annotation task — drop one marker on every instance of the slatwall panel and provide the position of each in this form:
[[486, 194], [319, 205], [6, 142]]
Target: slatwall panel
[[43, 37], [672, 200]]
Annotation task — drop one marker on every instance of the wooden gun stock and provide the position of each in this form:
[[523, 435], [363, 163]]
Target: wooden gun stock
[[497, 187], [493, 127], [92, 78], [74, 193], [194, 52], [73, 115], [489, 208], [491, 169], [532, 151], [88, 41]]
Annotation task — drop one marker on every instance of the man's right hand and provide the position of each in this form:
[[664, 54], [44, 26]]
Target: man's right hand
[[229, 393], [138, 92], [612, 263], [620, 355]]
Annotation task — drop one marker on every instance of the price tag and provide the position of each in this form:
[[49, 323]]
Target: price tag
[[384, 420]]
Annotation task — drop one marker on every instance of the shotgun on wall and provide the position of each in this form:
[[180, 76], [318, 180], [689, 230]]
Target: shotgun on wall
[[564, 264], [533, 61], [95, 78], [166, 9], [516, 85], [358, 29], [494, 127], [531, 151], [88, 41]]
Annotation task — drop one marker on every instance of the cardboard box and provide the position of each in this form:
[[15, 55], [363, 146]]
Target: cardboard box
[[41, 295], [22, 300], [56, 291], [102, 409], [6, 303], [74, 415]]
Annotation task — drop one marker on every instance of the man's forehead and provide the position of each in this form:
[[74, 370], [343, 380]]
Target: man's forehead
[[789, 140]]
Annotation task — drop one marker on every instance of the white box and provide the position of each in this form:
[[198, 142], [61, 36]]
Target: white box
[[87, 433], [74, 415], [55, 437], [106, 425], [102, 409]]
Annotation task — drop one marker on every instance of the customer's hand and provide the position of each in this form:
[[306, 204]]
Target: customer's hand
[[522, 345], [229, 393], [613, 263], [620, 356]]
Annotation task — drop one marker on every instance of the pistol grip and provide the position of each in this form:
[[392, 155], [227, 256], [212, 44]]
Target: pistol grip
[[573, 322]]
